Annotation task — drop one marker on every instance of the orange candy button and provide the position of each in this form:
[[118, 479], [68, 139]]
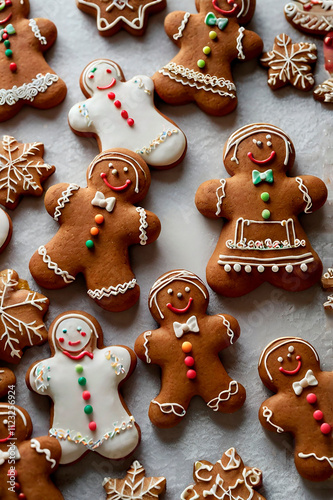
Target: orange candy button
[[94, 231], [99, 219], [186, 347]]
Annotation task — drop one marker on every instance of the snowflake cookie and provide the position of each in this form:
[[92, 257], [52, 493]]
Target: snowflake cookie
[[83, 379], [26, 78], [311, 16], [135, 485], [290, 63], [21, 313], [22, 170], [112, 15], [228, 478]]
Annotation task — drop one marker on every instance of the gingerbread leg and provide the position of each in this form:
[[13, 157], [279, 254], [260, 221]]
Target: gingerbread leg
[[225, 280], [168, 408], [314, 464], [53, 96], [70, 451], [123, 443], [217, 105], [48, 270], [8, 112], [297, 277], [174, 92], [225, 396]]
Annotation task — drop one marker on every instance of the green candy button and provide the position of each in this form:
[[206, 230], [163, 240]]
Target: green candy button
[[201, 63], [7, 44], [264, 196], [212, 35], [206, 50], [266, 214], [8, 53], [82, 381], [88, 409], [79, 368], [90, 244]]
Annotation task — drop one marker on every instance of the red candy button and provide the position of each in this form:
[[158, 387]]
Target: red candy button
[[92, 426], [189, 361], [117, 104], [191, 374], [311, 398], [325, 428], [86, 395], [318, 415], [111, 95]]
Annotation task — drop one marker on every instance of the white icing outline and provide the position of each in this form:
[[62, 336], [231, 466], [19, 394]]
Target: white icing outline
[[230, 332], [220, 194], [36, 31], [239, 45], [265, 262], [145, 345], [36, 445], [64, 199], [329, 303], [121, 288], [53, 266], [187, 491], [27, 91], [306, 197], [214, 403], [326, 89], [11, 409], [198, 466], [143, 225], [267, 414], [71, 316], [160, 139], [233, 462], [320, 459], [181, 28], [310, 21], [171, 408]]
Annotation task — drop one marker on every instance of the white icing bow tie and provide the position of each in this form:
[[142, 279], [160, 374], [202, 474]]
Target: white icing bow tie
[[102, 202], [309, 379], [6, 455], [191, 325]]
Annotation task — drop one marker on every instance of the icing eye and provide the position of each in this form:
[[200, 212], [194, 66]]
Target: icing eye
[[289, 355], [108, 71], [269, 144], [61, 339], [79, 328], [115, 172], [110, 165], [125, 169], [268, 136], [187, 289], [254, 141], [179, 295], [170, 291], [5, 422], [291, 348], [259, 144], [64, 330], [280, 360]]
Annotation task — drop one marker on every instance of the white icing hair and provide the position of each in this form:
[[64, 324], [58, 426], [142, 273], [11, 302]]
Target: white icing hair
[[245, 8], [95, 64], [114, 155], [168, 278], [10, 409], [237, 137], [69, 316]]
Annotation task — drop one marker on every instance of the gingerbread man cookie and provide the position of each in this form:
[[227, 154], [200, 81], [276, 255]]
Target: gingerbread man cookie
[[21, 313], [312, 16], [201, 71], [102, 222], [290, 367], [186, 347], [112, 15], [227, 478], [25, 464], [83, 377], [6, 229], [262, 238], [324, 91], [120, 113], [26, 78]]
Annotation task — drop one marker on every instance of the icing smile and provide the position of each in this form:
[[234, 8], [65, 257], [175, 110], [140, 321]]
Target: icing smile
[[261, 162], [180, 311], [292, 372], [112, 84], [11, 434], [74, 343], [116, 188], [231, 11], [6, 19]]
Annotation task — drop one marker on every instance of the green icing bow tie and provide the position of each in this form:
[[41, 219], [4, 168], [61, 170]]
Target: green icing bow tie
[[9, 29], [258, 177], [212, 20]]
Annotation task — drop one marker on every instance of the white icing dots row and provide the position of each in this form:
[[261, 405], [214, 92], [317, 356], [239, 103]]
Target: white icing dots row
[[260, 268]]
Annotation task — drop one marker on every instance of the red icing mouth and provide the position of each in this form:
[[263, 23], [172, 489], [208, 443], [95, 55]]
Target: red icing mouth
[[226, 12], [6, 19], [261, 162], [79, 356], [116, 188], [112, 84], [292, 372], [74, 343], [11, 434], [180, 311]]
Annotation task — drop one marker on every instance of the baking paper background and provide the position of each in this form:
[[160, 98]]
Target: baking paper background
[[187, 240]]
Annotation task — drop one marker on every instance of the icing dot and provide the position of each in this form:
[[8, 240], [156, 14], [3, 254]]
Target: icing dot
[[260, 269], [291, 348], [227, 268], [265, 214], [201, 64], [189, 361], [5, 422], [125, 169], [289, 268], [325, 428], [187, 289], [79, 368], [304, 267], [130, 122], [88, 409], [13, 67], [94, 231], [206, 50], [86, 395], [311, 398], [269, 144], [212, 35], [191, 374], [248, 269], [82, 381], [90, 244], [280, 359], [275, 269], [99, 219], [318, 415], [117, 104], [186, 347], [92, 426], [264, 196], [124, 114], [170, 291], [237, 268]]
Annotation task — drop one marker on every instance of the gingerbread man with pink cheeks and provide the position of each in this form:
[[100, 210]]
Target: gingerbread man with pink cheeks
[[290, 367], [186, 347], [262, 238], [209, 43]]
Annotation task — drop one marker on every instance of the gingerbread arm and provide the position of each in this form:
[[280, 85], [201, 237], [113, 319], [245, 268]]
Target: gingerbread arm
[[146, 227], [248, 44], [223, 330], [310, 192], [38, 378], [210, 198], [175, 24], [148, 347], [273, 415], [45, 31], [57, 197], [79, 120]]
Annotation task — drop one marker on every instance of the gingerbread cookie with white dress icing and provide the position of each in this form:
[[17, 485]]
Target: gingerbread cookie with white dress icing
[[98, 224], [83, 379], [26, 78], [262, 239], [114, 15], [120, 113], [311, 16], [201, 71], [290, 367], [186, 347]]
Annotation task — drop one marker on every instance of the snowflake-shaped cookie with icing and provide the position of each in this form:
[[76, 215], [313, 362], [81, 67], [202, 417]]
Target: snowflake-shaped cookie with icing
[[21, 317], [22, 170], [113, 15], [290, 63], [311, 16], [228, 478], [135, 485]]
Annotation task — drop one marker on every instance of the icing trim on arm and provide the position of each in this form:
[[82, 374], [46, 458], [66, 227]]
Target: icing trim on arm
[[220, 194], [239, 45], [143, 225], [145, 345], [230, 332], [111, 290], [306, 197], [64, 199], [53, 266], [36, 31], [181, 28], [36, 445], [267, 414]]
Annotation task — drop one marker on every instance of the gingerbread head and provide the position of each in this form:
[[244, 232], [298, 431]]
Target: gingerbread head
[[186, 347], [241, 10], [290, 367], [13, 10]]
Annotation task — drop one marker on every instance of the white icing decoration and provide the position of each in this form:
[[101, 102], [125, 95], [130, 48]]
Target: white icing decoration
[[145, 345], [53, 266], [308, 380], [198, 466], [220, 194], [181, 28], [329, 303], [267, 414], [291, 348], [188, 491], [42, 377], [239, 46], [223, 396], [274, 262], [326, 89], [4, 227], [36, 445], [280, 359], [36, 31], [135, 24], [306, 197], [9, 455], [253, 475], [233, 463], [156, 138], [237, 137], [230, 332], [167, 279], [9, 410], [111, 290], [27, 91], [120, 4], [65, 195], [168, 408], [321, 459], [69, 422], [101, 201], [309, 20], [191, 325], [187, 289], [285, 340], [206, 82], [143, 225]]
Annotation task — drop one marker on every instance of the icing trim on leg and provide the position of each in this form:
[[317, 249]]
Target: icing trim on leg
[[168, 408], [112, 290], [68, 278], [214, 403]]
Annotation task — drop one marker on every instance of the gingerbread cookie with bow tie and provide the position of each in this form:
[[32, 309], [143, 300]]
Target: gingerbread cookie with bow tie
[[186, 347], [98, 224], [290, 367], [262, 239]]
